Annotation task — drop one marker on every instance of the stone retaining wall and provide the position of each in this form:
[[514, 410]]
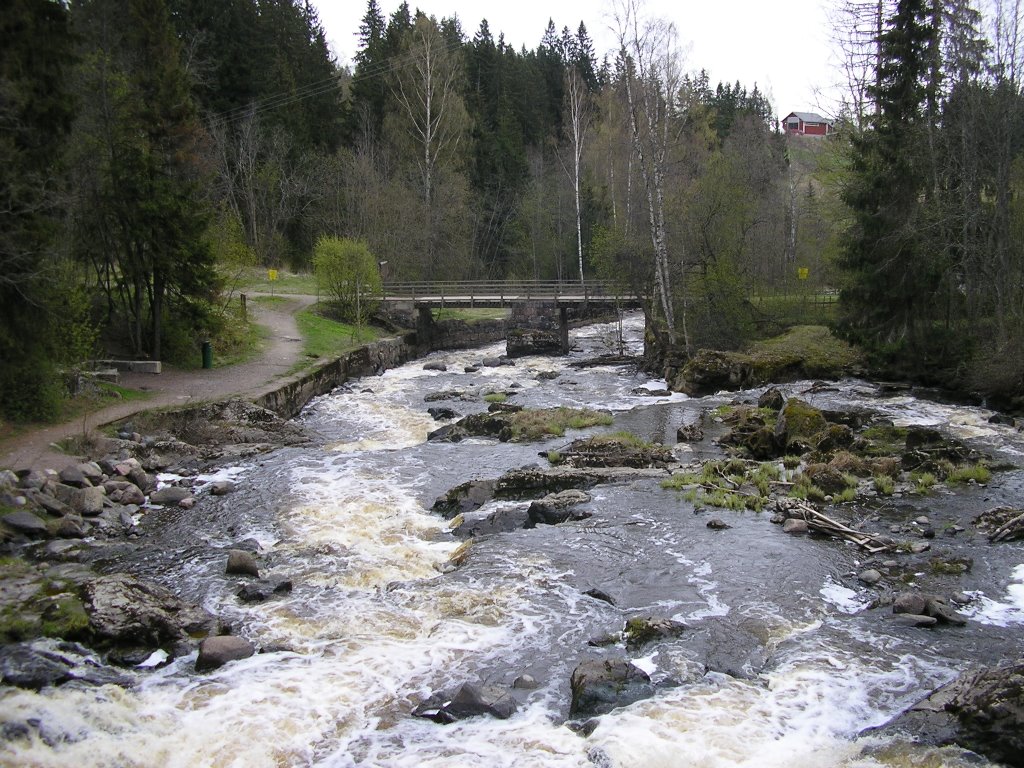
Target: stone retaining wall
[[373, 359]]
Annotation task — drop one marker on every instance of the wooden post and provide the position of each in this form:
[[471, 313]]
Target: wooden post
[[241, 301], [563, 328]]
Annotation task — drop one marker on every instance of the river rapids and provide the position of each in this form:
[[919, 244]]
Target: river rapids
[[381, 616]]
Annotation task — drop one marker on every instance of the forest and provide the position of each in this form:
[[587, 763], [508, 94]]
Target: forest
[[151, 149]]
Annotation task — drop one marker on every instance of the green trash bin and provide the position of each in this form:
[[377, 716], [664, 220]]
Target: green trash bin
[[207, 354]]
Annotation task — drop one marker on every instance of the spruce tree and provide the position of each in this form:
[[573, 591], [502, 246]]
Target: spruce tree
[[891, 281], [35, 116]]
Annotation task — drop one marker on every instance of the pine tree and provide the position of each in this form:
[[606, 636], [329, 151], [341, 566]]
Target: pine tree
[[35, 116]]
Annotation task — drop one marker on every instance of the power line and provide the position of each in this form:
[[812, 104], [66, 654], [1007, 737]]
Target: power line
[[391, 65]]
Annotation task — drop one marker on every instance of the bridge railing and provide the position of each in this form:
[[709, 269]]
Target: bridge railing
[[491, 290]]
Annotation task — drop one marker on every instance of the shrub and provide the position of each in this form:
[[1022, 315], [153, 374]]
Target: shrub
[[347, 272]]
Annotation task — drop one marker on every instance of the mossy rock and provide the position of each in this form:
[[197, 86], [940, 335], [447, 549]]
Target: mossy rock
[[798, 424], [66, 618], [833, 437], [827, 478], [762, 445], [641, 630]]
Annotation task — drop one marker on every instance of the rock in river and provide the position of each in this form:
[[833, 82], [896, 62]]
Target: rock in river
[[126, 612], [982, 711], [466, 701], [601, 685], [217, 651]]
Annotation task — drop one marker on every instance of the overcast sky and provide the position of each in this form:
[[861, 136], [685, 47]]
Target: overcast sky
[[783, 46]]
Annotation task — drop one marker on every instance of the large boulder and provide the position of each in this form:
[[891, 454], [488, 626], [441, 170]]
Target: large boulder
[[169, 494], [557, 508], [798, 424], [500, 521], [128, 613], [217, 651], [24, 522], [601, 685], [920, 604], [709, 371], [467, 701], [982, 711], [464, 498], [84, 501], [242, 563]]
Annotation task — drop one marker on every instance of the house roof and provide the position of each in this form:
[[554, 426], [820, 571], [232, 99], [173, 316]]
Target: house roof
[[808, 117]]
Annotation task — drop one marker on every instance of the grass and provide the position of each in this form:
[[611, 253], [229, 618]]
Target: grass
[[809, 307], [256, 279], [326, 338], [471, 315], [495, 397], [719, 484], [923, 481], [75, 408], [273, 302], [977, 473], [884, 484], [547, 422], [820, 351]]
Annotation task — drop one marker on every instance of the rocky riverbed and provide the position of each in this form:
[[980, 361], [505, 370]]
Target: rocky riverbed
[[187, 548]]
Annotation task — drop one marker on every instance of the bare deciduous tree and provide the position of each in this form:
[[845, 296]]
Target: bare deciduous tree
[[579, 112], [427, 90], [652, 76]]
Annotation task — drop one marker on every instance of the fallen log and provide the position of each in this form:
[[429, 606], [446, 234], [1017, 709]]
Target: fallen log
[[1009, 531]]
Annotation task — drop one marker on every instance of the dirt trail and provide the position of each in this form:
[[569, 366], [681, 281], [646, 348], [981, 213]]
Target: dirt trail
[[35, 449]]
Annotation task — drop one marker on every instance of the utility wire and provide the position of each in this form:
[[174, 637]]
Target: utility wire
[[391, 65]]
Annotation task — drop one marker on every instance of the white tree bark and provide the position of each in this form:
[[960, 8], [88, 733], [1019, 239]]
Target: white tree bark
[[579, 114], [652, 76]]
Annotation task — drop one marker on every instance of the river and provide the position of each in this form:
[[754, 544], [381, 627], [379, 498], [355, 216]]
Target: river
[[380, 617]]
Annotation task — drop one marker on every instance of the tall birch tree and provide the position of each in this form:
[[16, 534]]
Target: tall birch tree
[[651, 75]]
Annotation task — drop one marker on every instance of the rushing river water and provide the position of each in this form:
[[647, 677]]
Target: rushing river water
[[380, 618]]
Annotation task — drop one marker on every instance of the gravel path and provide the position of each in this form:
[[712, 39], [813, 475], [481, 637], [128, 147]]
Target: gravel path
[[173, 387]]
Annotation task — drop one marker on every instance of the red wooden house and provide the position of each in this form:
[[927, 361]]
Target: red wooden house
[[806, 124]]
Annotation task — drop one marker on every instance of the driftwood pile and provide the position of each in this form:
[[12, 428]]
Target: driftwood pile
[[821, 523], [1002, 523]]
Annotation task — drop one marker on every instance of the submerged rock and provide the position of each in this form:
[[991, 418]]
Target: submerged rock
[[467, 701], [51, 663]]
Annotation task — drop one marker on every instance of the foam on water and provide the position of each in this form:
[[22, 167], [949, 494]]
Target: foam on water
[[843, 598], [1000, 613]]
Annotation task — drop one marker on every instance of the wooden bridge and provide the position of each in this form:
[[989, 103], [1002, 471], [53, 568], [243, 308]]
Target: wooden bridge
[[503, 293]]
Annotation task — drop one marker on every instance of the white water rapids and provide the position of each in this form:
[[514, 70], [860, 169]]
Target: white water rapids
[[381, 618]]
